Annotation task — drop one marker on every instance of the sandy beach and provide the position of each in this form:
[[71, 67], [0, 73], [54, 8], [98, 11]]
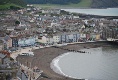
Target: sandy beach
[[43, 58]]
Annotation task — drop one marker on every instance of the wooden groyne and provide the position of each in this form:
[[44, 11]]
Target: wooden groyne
[[71, 50]]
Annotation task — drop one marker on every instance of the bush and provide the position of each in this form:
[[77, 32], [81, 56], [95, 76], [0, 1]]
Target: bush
[[17, 22]]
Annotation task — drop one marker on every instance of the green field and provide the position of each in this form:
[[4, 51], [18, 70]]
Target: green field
[[7, 6], [82, 4]]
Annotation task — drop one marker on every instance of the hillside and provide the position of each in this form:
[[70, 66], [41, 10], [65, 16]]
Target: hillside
[[62, 2], [104, 3], [5, 4], [78, 3]]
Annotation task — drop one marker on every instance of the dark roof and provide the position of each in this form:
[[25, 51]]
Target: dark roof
[[2, 55], [6, 38], [1, 41], [4, 52]]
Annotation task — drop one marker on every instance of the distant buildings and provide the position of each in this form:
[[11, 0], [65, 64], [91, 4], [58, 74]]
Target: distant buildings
[[39, 25], [51, 11], [68, 38]]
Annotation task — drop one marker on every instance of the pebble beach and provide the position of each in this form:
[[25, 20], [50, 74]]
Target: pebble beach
[[43, 57]]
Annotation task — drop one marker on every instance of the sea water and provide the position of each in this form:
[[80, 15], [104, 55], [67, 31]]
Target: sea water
[[102, 12], [98, 64]]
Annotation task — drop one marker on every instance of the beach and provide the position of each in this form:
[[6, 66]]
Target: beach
[[43, 57]]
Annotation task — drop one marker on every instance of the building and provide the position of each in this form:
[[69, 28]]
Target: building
[[7, 42], [69, 37], [56, 38], [2, 56], [28, 41], [14, 41], [47, 40], [51, 11], [1, 45]]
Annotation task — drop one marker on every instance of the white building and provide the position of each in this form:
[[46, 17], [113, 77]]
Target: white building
[[27, 41], [53, 11], [10, 28], [56, 39], [46, 40], [82, 35], [63, 38], [70, 37], [76, 17]]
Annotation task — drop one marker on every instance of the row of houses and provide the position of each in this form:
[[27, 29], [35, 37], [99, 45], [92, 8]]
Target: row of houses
[[47, 11], [9, 42], [68, 38]]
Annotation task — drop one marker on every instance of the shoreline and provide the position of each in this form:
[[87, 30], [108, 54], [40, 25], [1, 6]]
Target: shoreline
[[55, 66], [43, 58]]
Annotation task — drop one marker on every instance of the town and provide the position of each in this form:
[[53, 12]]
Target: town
[[35, 27]]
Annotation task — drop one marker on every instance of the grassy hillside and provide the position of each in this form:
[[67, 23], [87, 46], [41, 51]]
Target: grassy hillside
[[5, 4], [62, 2], [83, 3], [104, 3]]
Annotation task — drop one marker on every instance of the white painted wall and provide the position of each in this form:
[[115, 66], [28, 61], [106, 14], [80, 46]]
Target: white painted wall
[[56, 39]]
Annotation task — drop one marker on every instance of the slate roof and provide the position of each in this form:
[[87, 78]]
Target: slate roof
[[2, 55], [6, 38]]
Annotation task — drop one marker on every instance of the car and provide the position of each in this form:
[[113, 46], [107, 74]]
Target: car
[[30, 53], [27, 54], [23, 54]]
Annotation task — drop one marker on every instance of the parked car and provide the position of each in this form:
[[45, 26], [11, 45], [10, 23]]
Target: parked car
[[23, 54], [27, 54]]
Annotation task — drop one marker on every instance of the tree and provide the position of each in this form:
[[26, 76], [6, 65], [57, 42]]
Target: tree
[[17, 22], [14, 8]]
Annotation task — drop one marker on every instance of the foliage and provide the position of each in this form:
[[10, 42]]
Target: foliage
[[18, 2], [17, 22], [75, 3], [5, 4], [14, 7], [52, 1], [11, 59], [81, 3]]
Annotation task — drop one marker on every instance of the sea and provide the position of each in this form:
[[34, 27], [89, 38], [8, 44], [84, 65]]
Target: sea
[[97, 64], [101, 12]]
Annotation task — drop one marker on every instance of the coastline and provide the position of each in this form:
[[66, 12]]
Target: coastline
[[46, 55], [110, 12], [55, 66]]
